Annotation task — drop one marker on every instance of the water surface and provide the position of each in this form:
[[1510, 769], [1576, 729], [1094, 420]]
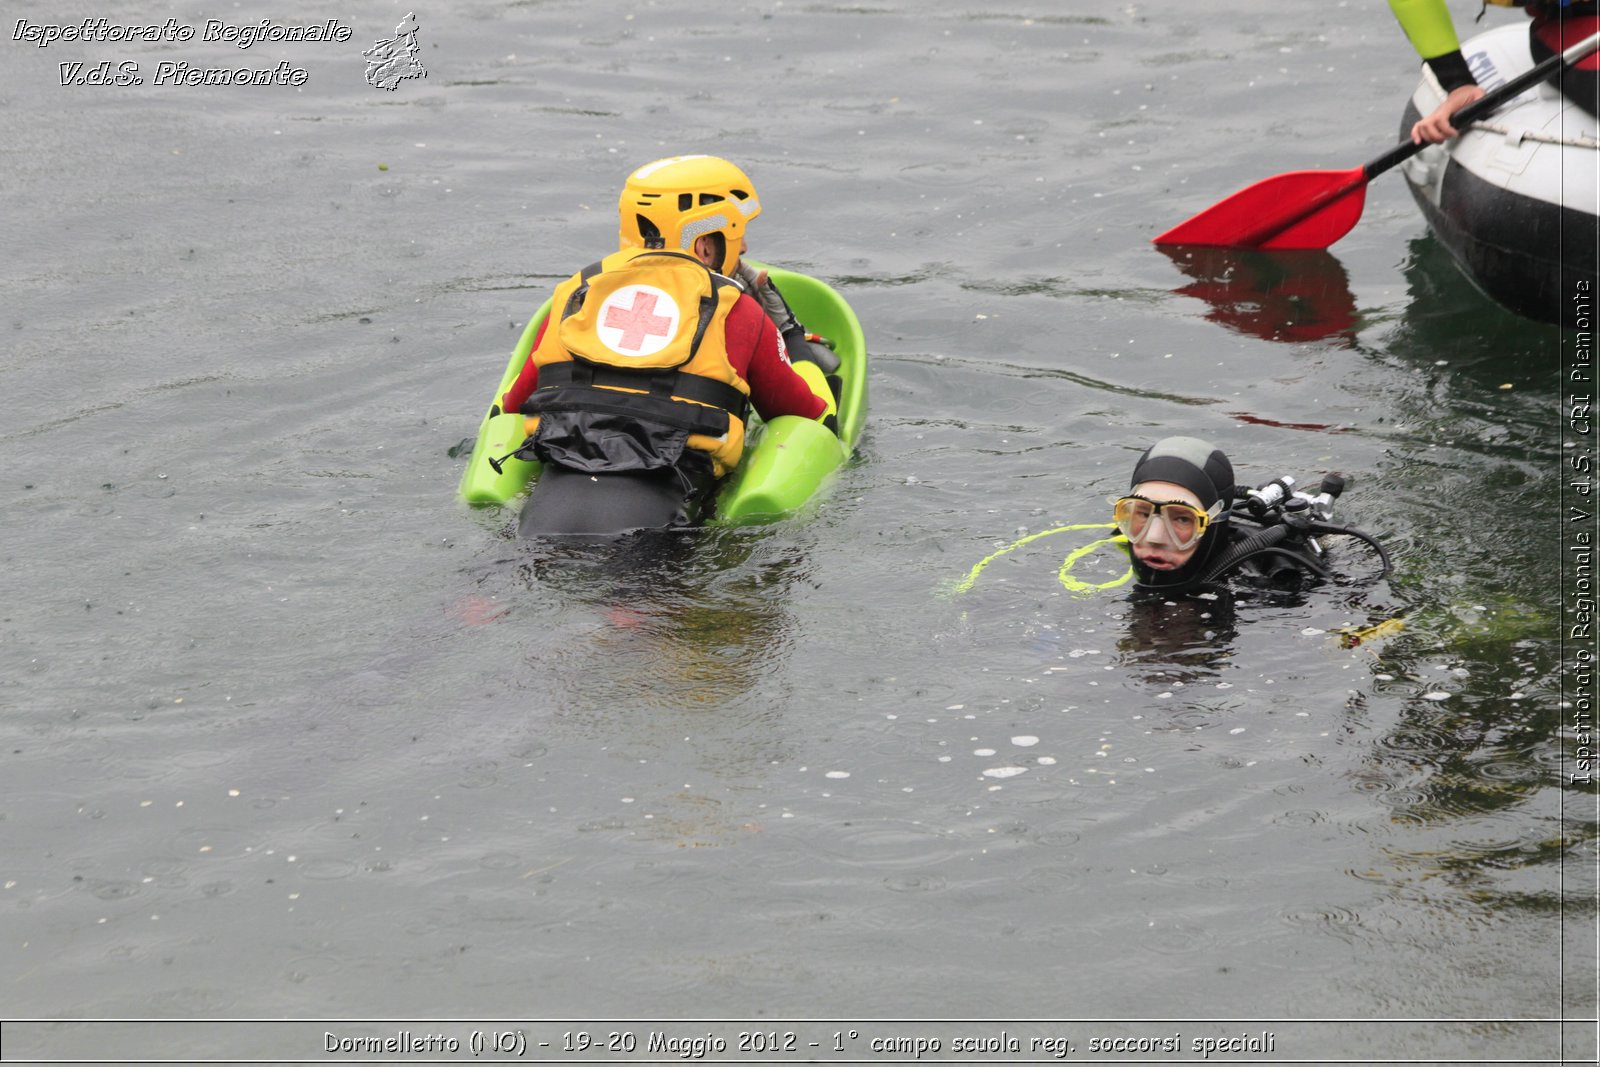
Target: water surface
[[290, 733]]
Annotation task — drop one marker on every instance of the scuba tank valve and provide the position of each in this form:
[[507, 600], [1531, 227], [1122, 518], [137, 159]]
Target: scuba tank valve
[[1321, 504], [1266, 497]]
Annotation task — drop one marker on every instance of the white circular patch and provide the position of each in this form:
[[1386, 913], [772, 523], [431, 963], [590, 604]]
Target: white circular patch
[[637, 320]]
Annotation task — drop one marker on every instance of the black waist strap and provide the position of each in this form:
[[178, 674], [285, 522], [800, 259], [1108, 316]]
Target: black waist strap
[[637, 407], [661, 383]]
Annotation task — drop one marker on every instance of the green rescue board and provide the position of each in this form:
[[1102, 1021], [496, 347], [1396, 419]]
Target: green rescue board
[[786, 461]]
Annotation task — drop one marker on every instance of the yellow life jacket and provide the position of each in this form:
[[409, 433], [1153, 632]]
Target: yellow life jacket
[[633, 367]]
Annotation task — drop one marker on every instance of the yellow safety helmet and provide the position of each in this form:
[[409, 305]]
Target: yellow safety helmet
[[673, 201]]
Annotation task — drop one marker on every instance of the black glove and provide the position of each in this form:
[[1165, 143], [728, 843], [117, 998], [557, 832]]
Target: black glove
[[801, 346], [795, 341]]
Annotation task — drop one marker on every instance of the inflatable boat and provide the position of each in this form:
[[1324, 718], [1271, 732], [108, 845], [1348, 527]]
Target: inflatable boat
[[786, 461], [1516, 196]]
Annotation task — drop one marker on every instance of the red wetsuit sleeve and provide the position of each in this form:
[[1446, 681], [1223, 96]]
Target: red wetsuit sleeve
[[756, 352], [527, 381]]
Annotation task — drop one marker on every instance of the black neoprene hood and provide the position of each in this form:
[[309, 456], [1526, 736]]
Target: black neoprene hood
[[1191, 463]]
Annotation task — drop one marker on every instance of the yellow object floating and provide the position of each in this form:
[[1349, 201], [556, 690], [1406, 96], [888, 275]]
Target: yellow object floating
[[1352, 636]]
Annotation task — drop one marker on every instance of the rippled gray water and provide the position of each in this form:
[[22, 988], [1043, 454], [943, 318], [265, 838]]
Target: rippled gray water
[[291, 733]]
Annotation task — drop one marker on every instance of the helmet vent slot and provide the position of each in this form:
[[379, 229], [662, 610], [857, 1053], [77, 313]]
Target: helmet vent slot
[[650, 232]]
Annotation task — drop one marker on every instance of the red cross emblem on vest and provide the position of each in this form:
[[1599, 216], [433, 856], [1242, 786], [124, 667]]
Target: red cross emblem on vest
[[638, 320]]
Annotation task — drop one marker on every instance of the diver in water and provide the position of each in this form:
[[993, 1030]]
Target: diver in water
[[1190, 529], [1184, 528]]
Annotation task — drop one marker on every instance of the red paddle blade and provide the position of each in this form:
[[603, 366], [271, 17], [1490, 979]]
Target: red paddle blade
[[1300, 209]]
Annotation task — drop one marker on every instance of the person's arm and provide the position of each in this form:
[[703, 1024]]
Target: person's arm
[[800, 347], [1427, 23], [775, 388], [527, 381], [1436, 126]]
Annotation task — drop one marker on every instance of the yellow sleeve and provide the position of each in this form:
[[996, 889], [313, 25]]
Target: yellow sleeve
[[1427, 23], [813, 376]]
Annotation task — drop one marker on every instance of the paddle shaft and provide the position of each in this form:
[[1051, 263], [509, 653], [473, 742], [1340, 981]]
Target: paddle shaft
[[1488, 102]]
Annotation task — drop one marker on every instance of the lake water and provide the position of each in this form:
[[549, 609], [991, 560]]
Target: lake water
[[292, 734]]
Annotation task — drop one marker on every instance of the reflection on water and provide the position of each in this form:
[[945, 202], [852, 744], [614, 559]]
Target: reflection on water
[[1472, 773], [682, 619], [1189, 639], [1478, 761], [1289, 296], [1446, 318]]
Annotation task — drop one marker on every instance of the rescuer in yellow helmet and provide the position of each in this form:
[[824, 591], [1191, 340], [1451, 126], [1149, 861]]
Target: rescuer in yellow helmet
[[650, 358], [651, 219]]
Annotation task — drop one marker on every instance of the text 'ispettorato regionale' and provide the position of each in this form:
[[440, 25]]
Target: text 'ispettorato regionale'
[[243, 35]]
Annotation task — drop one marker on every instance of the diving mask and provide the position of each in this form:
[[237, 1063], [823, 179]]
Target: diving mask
[[1185, 524]]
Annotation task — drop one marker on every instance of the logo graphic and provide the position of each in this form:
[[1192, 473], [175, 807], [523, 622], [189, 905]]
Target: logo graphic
[[637, 320], [393, 61]]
